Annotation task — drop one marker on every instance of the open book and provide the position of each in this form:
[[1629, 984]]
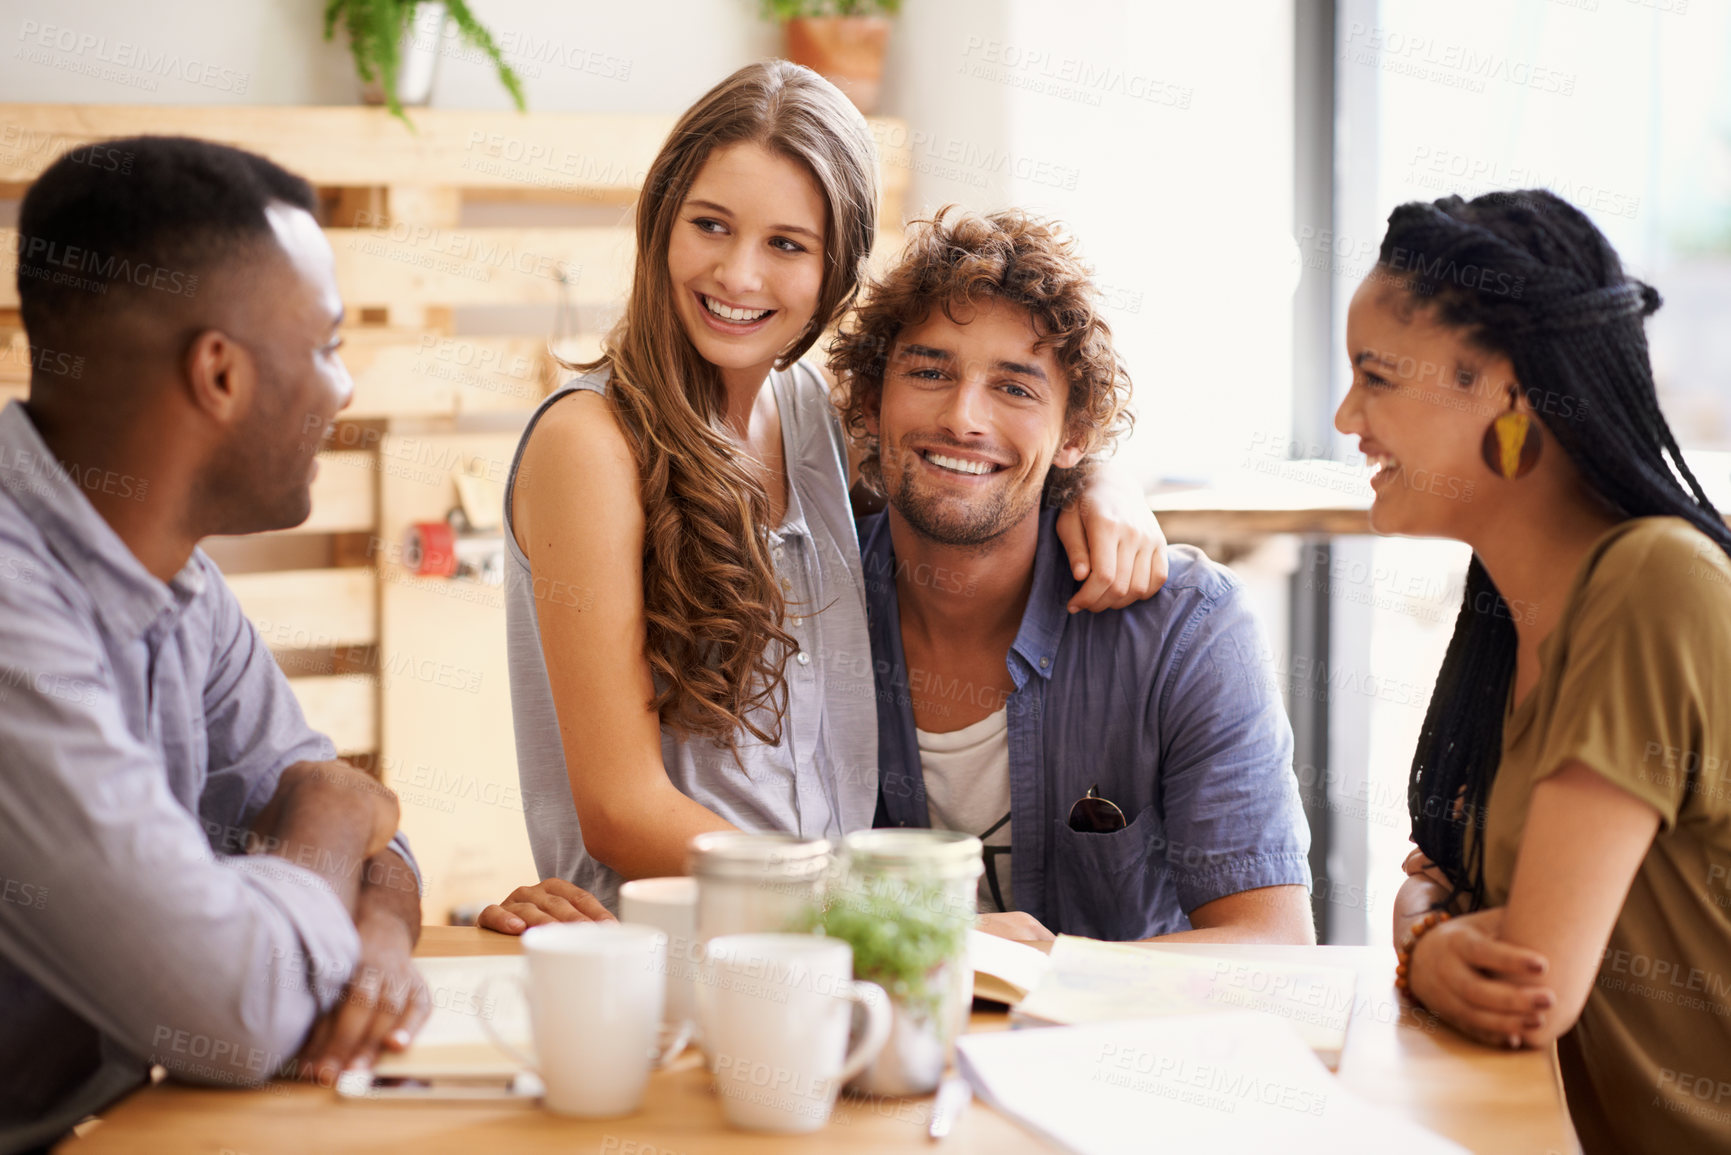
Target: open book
[[1091, 981], [1004, 971]]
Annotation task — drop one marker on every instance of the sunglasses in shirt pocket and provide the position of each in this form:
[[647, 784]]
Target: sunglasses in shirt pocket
[[1105, 887]]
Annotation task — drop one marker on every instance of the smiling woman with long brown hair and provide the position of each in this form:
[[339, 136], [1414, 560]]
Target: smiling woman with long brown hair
[[1569, 794], [684, 601]]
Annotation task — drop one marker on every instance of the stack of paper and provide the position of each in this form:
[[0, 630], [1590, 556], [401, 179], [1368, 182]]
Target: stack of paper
[[1091, 981], [1218, 1083]]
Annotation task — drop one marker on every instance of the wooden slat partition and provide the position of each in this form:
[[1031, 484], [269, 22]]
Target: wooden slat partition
[[360, 146], [344, 706], [595, 157], [404, 265], [420, 265], [14, 363], [320, 609], [345, 494], [406, 372]]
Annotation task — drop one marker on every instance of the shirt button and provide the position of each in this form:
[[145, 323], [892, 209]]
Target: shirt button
[[1044, 662], [797, 619], [803, 658]]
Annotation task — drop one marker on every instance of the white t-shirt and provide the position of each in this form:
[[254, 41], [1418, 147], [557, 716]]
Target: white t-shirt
[[967, 775]]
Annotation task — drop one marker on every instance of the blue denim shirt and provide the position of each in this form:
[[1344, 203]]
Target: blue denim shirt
[[1165, 705]]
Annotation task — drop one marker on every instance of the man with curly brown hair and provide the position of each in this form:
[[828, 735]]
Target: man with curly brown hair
[[1139, 755]]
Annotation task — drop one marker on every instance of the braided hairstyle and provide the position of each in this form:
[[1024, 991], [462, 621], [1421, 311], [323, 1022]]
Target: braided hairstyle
[[1527, 275]]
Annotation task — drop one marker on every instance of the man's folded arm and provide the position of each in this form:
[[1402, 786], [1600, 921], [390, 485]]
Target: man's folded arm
[[256, 730], [213, 966]]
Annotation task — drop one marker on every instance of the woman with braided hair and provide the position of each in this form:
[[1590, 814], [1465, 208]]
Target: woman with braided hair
[[1569, 794]]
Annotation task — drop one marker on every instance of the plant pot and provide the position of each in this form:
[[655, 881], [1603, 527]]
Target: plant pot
[[921, 1042], [418, 63], [847, 51]]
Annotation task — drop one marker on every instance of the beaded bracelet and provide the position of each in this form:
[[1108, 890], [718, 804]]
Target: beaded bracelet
[[1403, 955]]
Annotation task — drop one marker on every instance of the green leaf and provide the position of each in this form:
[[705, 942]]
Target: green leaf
[[377, 28], [476, 34], [902, 934], [782, 11]]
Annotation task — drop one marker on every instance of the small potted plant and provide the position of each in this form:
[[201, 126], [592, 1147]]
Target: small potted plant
[[842, 40], [396, 45], [910, 939]]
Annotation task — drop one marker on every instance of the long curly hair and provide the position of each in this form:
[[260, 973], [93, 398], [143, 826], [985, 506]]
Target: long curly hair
[[958, 258], [714, 610], [1526, 274]]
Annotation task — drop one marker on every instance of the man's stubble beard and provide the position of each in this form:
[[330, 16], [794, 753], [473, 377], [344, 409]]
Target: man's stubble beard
[[980, 523], [258, 482]]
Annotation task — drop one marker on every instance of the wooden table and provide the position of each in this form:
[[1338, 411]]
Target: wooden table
[[1267, 493], [1489, 1101], [1306, 497]]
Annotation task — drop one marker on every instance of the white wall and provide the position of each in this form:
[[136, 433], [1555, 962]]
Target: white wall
[[572, 55], [1162, 133], [191, 52], [579, 55]]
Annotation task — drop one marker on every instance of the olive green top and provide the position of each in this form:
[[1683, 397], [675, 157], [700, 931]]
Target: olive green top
[[1635, 684]]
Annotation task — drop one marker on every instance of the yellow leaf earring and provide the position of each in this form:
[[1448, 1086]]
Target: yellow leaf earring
[[1511, 442]]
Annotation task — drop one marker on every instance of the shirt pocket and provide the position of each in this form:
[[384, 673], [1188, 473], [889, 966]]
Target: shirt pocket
[[1106, 888]]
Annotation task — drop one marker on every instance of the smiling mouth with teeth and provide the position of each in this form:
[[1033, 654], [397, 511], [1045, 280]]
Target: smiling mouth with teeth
[[1383, 466], [957, 465], [729, 313]]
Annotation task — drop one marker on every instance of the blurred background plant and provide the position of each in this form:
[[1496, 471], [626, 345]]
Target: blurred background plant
[[784, 10], [396, 44], [844, 41]]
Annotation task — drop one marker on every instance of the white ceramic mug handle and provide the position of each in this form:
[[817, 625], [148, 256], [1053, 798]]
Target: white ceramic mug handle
[[675, 1038], [527, 1061], [877, 1030]]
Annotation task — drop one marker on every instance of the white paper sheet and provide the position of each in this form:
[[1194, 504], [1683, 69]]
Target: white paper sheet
[[1213, 1083], [1092, 981]]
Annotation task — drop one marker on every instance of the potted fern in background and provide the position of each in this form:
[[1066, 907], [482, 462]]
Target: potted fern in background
[[396, 46], [842, 40]]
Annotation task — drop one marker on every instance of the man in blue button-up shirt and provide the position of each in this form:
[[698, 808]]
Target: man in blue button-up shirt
[[187, 876], [1130, 772]]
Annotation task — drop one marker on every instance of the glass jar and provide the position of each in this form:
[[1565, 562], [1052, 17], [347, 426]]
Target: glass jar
[[750, 883], [905, 899]]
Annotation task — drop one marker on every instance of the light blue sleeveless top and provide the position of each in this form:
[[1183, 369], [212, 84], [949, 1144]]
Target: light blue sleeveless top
[[822, 780]]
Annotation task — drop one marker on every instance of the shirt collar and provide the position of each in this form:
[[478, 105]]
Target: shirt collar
[[1046, 614], [793, 522], [127, 597]]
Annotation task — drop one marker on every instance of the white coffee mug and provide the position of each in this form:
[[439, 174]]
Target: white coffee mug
[[595, 993], [776, 1011], [670, 906]]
